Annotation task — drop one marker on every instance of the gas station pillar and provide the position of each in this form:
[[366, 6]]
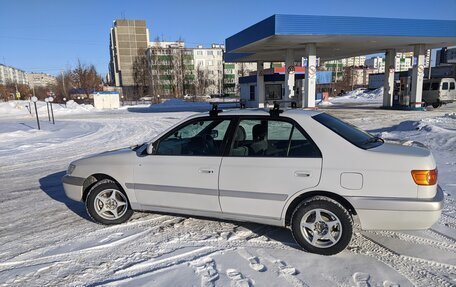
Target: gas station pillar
[[390, 68], [419, 52], [260, 84], [310, 81], [289, 75]]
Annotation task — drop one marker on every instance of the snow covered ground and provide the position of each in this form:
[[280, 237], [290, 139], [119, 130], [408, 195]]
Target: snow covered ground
[[48, 240], [357, 97]]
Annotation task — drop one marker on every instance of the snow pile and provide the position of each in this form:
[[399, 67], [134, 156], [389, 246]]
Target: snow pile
[[72, 105], [13, 107], [177, 105], [360, 96], [437, 133], [22, 108]]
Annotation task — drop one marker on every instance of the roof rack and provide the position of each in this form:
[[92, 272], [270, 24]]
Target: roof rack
[[214, 111], [275, 111], [293, 104]]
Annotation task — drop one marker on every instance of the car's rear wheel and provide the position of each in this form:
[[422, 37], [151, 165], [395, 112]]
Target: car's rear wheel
[[322, 225], [107, 204]]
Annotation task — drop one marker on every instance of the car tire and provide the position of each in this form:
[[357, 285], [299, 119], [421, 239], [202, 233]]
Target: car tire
[[322, 225], [107, 203]]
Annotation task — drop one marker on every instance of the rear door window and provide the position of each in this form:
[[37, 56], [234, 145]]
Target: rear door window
[[271, 138], [445, 86], [452, 86]]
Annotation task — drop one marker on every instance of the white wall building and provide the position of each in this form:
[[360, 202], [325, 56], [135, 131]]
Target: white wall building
[[12, 75], [403, 62], [40, 80], [210, 62]]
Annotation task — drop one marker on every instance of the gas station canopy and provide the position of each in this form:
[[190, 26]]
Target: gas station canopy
[[335, 37]]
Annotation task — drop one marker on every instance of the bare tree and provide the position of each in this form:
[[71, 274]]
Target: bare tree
[[63, 85], [86, 78], [202, 81], [142, 74]]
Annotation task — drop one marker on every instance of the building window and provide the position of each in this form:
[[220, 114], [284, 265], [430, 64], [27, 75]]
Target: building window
[[199, 53], [273, 92], [210, 53], [210, 63], [252, 93]]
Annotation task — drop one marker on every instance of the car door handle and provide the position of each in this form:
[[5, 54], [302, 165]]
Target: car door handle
[[302, 174], [203, 170]]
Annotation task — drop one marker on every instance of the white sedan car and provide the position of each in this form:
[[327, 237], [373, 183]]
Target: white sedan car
[[305, 170]]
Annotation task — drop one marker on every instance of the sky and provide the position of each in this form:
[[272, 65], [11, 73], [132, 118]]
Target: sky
[[51, 35]]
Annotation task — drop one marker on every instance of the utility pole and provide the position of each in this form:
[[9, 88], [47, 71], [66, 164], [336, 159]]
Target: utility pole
[[63, 84], [430, 64]]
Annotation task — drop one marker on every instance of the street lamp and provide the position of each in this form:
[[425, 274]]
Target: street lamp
[[47, 107], [34, 100], [51, 99], [64, 99]]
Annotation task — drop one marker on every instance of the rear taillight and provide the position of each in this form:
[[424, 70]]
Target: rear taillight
[[425, 177]]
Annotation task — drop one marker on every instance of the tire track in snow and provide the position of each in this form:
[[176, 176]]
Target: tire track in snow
[[416, 239], [423, 273]]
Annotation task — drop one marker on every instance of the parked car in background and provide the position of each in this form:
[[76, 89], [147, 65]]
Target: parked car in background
[[304, 170], [439, 91]]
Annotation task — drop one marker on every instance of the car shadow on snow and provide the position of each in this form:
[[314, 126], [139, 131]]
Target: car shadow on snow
[[52, 186]]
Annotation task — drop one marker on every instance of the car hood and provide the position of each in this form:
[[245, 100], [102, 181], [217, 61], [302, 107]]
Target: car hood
[[117, 153]]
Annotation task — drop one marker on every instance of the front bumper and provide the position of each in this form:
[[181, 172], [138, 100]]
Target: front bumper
[[73, 186], [398, 213]]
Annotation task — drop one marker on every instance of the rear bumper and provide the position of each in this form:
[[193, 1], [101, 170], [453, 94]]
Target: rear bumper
[[398, 213], [73, 187]]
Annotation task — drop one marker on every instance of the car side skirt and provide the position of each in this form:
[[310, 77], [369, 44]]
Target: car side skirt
[[210, 214]]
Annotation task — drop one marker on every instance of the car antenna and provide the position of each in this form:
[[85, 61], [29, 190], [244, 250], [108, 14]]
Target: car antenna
[[275, 111], [214, 111]]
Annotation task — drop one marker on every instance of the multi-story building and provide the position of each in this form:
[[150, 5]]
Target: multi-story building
[[337, 66], [40, 80], [12, 75], [404, 62], [232, 72], [177, 70], [208, 63], [445, 56], [172, 72], [128, 39]]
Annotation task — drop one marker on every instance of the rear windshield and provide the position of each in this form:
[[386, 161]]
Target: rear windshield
[[349, 132]]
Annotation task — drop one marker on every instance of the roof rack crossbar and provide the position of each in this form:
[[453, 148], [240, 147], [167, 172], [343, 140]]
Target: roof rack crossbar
[[214, 111], [275, 111]]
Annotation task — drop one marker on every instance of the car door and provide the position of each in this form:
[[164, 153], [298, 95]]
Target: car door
[[268, 161], [182, 172], [444, 91]]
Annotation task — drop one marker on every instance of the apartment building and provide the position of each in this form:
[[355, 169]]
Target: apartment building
[[40, 80], [171, 68], [128, 39], [208, 63], [232, 72], [12, 75]]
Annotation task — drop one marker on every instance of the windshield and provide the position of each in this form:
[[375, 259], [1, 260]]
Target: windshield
[[349, 132]]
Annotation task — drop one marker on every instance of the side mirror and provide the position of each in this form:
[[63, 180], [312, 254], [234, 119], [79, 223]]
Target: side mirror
[[150, 148]]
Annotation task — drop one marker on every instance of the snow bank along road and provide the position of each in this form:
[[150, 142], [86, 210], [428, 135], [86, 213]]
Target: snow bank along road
[[47, 239]]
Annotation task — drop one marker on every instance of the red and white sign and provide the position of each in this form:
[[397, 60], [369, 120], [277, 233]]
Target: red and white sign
[[312, 70], [421, 69]]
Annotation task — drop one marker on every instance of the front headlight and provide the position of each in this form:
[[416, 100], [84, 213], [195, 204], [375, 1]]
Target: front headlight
[[71, 168]]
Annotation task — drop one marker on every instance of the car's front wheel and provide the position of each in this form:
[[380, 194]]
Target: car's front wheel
[[322, 225], [107, 204]]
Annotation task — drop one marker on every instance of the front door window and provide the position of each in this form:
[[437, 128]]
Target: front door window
[[198, 138]]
